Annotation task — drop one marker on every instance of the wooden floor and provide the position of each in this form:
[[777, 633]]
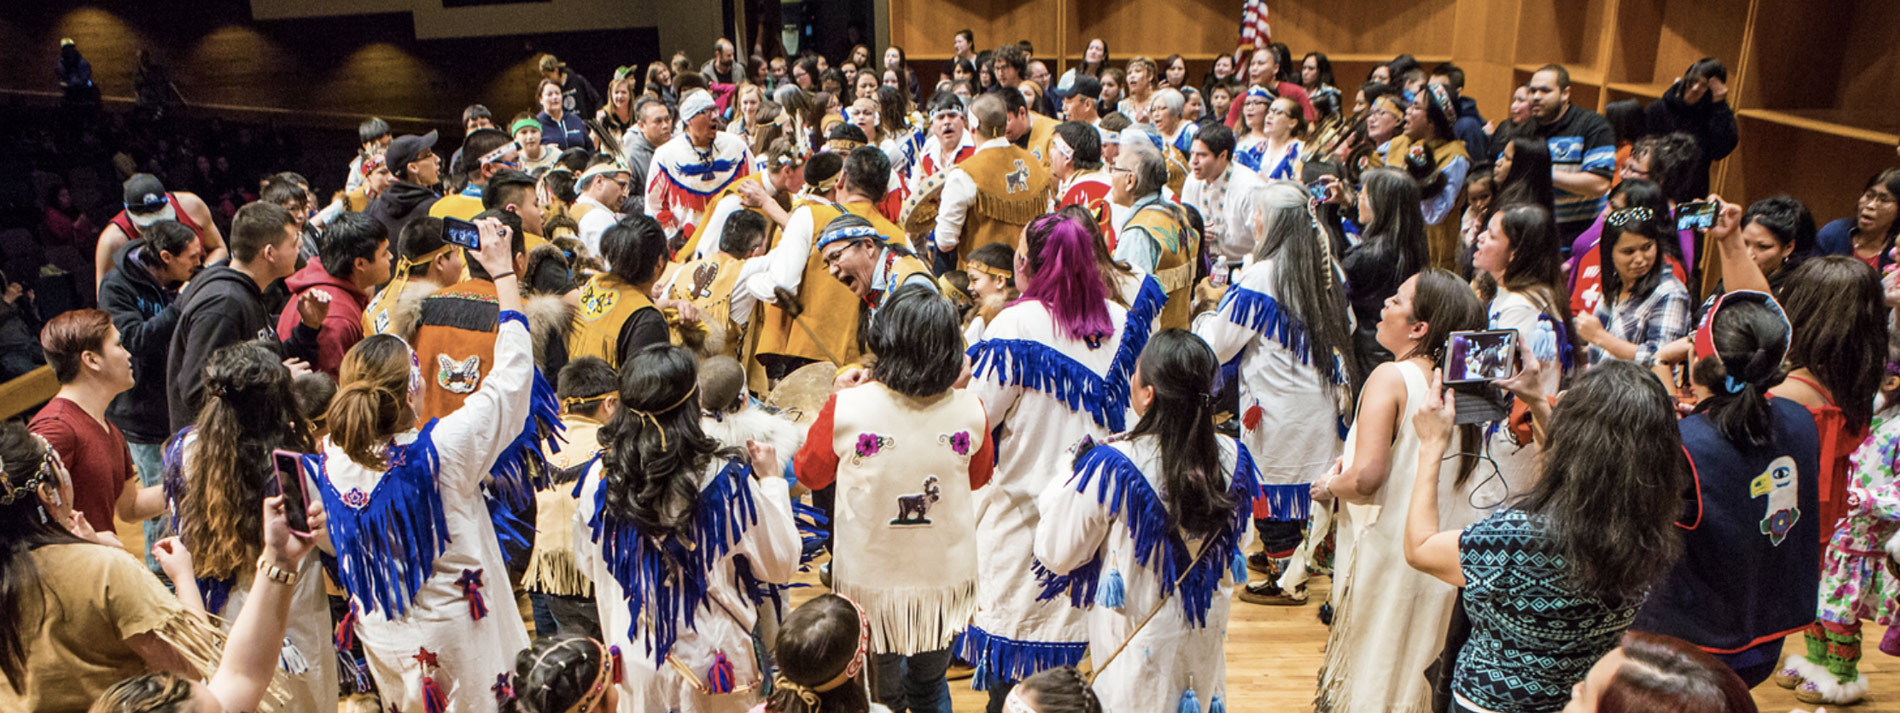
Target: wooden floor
[[1273, 656]]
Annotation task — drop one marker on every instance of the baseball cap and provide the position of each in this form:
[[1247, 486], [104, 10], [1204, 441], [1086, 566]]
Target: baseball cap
[[1084, 85], [404, 150], [694, 104], [144, 193], [549, 63]]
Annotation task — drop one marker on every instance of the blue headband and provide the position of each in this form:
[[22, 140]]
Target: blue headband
[[1259, 93], [849, 232]]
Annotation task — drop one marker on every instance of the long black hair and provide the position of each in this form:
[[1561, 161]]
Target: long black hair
[[1840, 330], [918, 342], [816, 643], [25, 525], [1304, 278], [1535, 270], [1611, 481], [653, 448], [248, 411], [634, 247], [1529, 179], [554, 674], [1180, 368], [1396, 218], [1754, 339]]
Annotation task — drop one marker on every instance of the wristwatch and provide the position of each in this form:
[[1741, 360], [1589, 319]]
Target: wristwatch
[[275, 573]]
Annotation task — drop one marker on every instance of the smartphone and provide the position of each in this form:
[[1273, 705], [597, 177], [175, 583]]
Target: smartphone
[[289, 483], [1481, 357], [1695, 215], [1317, 190], [461, 232]]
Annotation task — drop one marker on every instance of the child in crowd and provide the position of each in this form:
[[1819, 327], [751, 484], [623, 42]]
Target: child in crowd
[[563, 673], [992, 273], [1858, 580], [562, 595], [1057, 690], [313, 391], [821, 653]]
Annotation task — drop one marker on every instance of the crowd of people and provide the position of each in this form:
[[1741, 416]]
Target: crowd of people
[[1039, 375]]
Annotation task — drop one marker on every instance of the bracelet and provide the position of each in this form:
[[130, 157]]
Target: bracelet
[[497, 278], [275, 573]]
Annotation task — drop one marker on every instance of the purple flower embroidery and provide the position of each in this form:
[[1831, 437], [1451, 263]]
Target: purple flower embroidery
[[960, 443], [868, 444], [356, 498]]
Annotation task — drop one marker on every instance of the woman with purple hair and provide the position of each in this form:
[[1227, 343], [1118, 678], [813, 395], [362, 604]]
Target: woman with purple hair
[[1052, 371]]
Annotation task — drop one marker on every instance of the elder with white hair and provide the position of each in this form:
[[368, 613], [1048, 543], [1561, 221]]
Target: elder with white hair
[[1165, 112]]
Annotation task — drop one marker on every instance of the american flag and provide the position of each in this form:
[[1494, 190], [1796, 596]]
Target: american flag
[[1254, 31]]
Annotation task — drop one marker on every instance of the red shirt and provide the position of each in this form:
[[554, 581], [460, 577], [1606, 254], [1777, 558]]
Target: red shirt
[[94, 453], [817, 463]]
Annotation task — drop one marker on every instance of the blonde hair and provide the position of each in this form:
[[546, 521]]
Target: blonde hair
[[372, 399]]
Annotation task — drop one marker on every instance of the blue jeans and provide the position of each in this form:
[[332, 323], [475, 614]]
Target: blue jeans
[[149, 458], [915, 683]]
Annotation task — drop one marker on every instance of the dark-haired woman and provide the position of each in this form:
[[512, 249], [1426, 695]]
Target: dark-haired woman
[[1432, 155], [1094, 60], [906, 451], [1659, 674], [217, 474], [1518, 250], [1757, 472], [1316, 76], [1052, 369], [1869, 235], [1835, 362], [1552, 581], [1391, 248], [113, 620], [1585, 270], [822, 651], [1285, 324], [561, 673], [416, 548], [1145, 534], [676, 532], [1523, 174], [1390, 620], [1643, 305]]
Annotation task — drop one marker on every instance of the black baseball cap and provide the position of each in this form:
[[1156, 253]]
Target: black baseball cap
[[404, 150], [144, 193], [1084, 85]]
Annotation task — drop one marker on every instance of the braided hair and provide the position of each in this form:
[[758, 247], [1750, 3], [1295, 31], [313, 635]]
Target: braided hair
[[557, 672], [1059, 690], [162, 692], [817, 644]]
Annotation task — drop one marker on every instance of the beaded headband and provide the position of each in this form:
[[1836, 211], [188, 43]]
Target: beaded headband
[[11, 491], [996, 272], [1629, 215], [809, 694], [849, 232]]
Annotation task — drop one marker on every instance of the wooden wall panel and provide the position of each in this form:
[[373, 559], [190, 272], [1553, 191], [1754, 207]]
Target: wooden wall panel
[[925, 28], [1869, 56], [1567, 32], [1693, 30], [1826, 172], [1160, 28], [1369, 27], [1796, 60]]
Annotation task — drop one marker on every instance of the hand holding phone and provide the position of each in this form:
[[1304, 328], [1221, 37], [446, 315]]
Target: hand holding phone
[[1481, 357], [461, 232], [288, 468], [1696, 215]]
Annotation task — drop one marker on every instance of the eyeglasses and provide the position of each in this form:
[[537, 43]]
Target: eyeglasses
[[831, 256], [1877, 197], [1631, 171], [1281, 112], [1118, 169]]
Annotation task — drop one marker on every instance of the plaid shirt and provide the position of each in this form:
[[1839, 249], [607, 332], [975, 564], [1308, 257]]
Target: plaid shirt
[[1663, 317]]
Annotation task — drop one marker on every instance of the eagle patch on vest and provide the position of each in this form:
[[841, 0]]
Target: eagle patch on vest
[[597, 302], [1784, 499], [458, 378], [914, 509], [1017, 180]]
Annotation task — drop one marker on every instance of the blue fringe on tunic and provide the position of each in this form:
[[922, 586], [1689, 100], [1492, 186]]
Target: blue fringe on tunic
[[1120, 485], [387, 541]]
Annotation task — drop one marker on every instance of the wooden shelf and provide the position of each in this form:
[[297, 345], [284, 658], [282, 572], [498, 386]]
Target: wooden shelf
[[1860, 127], [1578, 75], [1650, 91]]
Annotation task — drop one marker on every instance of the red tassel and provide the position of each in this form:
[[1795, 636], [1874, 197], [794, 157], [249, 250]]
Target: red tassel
[[719, 678], [346, 630], [433, 700], [471, 582], [614, 653]]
